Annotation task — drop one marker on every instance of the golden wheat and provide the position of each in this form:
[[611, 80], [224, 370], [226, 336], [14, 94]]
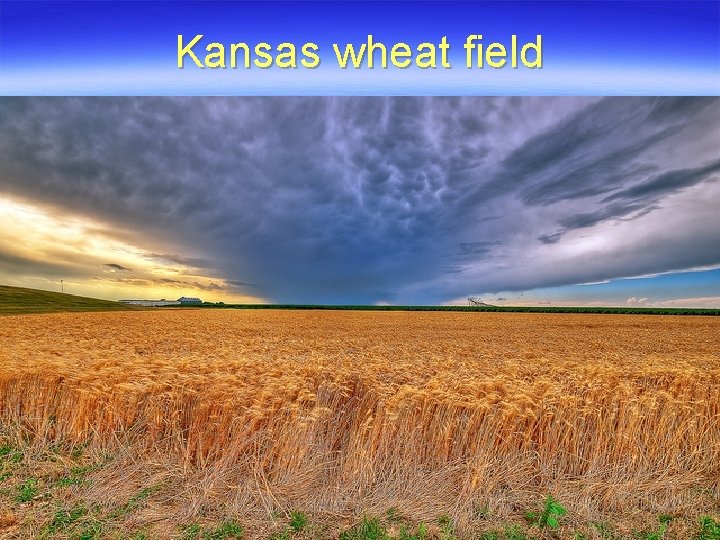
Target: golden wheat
[[425, 411]]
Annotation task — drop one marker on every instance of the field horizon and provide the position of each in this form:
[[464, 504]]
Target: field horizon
[[18, 300]]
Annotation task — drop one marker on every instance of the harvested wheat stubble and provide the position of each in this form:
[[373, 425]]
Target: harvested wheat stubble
[[359, 411]]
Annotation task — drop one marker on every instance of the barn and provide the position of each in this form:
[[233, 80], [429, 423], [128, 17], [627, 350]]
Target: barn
[[189, 301]]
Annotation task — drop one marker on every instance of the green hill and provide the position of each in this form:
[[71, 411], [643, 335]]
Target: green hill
[[17, 300]]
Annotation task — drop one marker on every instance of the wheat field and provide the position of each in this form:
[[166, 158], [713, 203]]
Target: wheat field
[[347, 413]]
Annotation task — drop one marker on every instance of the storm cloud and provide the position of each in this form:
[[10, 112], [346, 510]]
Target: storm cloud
[[412, 200], [117, 267]]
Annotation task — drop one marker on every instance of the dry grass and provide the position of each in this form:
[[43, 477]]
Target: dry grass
[[340, 413]]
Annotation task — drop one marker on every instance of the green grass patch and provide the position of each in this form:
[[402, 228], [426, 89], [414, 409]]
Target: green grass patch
[[419, 533], [227, 530], [18, 300], [9, 454], [191, 532], [658, 533], [549, 516], [709, 529], [75, 477], [514, 532], [447, 527], [65, 518], [27, 491], [298, 521], [367, 529], [91, 531], [136, 501], [67, 481]]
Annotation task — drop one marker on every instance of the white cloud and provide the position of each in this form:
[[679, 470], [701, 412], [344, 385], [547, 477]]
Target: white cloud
[[708, 302]]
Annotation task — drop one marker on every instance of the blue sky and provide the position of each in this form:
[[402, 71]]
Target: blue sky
[[699, 288], [411, 200], [590, 48]]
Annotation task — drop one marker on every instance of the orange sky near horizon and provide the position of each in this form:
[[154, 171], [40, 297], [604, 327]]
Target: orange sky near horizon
[[41, 246]]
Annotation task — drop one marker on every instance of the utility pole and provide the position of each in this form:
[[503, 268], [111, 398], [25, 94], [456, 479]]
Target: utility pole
[[62, 286]]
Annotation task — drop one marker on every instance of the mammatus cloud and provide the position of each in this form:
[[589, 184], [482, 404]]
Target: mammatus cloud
[[402, 200]]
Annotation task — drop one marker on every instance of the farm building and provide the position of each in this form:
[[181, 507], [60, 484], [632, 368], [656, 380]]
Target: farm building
[[151, 303], [189, 301], [182, 301]]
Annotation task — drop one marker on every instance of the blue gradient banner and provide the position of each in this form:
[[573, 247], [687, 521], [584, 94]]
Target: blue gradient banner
[[588, 48]]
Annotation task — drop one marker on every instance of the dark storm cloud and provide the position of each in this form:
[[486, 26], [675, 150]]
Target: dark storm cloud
[[613, 211], [240, 284], [193, 262], [667, 182], [179, 283], [636, 201], [597, 149], [118, 267], [551, 238], [11, 264], [477, 248], [362, 199]]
